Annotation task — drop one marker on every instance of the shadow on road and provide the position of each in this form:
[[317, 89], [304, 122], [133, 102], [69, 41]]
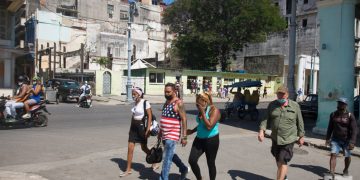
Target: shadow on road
[[144, 172], [318, 170], [245, 175]]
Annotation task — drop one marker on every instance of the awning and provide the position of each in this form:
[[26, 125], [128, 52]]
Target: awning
[[141, 64], [246, 84]]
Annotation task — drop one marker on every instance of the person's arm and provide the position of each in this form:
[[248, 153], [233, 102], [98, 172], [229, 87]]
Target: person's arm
[[38, 89], [263, 124], [329, 130], [354, 129], [191, 131], [149, 121], [182, 113], [24, 90], [231, 90], [300, 126], [214, 117]]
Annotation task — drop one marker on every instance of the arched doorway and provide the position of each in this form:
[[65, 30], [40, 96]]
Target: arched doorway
[[107, 83]]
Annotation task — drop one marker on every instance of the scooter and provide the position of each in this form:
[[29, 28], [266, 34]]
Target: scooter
[[38, 116], [86, 101]]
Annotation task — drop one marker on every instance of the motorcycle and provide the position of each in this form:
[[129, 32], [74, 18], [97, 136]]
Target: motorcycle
[[86, 101], [38, 116]]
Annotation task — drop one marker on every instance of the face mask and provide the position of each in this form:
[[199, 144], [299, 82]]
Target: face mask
[[168, 97], [134, 98], [281, 101]]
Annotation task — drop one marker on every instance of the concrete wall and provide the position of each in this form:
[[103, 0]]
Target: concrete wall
[[116, 82]]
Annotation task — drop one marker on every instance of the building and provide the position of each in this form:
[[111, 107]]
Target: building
[[66, 38]]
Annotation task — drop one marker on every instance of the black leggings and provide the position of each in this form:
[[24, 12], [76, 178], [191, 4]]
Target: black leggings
[[210, 146]]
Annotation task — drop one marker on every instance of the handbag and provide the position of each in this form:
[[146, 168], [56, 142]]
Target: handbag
[[156, 153], [154, 128]]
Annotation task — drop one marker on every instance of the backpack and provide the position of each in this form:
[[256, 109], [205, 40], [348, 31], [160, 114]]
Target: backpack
[[87, 89], [154, 129]]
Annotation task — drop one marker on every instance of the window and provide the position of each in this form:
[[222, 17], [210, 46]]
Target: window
[[157, 78], [68, 8], [110, 10], [288, 6], [123, 15], [154, 2], [304, 23], [306, 1]]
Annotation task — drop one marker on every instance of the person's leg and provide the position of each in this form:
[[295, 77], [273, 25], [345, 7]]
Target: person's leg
[[347, 160], [211, 149], [347, 165], [131, 146], [282, 170], [335, 149], [8, 106], [130, 155], [196, 151], [169, 150], [27, 105], [15, 106]]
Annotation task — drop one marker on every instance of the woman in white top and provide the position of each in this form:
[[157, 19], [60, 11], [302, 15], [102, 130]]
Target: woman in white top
[[138, 133]]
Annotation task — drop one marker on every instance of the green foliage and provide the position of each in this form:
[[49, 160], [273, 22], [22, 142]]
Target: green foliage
[[102, 61], [210, 31]]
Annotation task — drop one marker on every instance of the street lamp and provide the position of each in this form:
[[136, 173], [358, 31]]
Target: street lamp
[[132, 12], [315, 53]]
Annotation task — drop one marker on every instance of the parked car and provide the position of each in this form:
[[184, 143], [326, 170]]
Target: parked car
[[310, 105], [67, 89]]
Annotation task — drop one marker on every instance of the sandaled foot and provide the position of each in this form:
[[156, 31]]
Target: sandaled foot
[[126, 173], [155, 166]]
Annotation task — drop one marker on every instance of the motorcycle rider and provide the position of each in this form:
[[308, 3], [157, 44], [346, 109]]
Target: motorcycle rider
[[17, 101], [85, 90], [36, 92]]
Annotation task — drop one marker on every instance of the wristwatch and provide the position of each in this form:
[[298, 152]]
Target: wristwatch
[[184, 138]]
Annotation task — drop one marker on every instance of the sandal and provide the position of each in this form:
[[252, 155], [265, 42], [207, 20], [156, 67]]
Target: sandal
[[155, 166], [126, 173]]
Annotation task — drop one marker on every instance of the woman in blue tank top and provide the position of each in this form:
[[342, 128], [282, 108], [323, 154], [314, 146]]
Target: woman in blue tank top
[[35, 92], [207, 138]]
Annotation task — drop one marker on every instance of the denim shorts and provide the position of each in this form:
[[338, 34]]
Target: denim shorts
[[337, 145]]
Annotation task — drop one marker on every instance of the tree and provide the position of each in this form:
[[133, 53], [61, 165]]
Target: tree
[[102, 61], [209, 32]]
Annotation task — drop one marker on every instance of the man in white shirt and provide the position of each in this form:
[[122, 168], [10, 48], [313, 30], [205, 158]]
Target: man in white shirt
[[85, 90]]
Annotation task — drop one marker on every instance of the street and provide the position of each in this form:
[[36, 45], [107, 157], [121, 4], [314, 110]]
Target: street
[[92, 144]]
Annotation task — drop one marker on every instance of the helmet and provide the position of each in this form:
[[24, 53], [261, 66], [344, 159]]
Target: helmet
[[86, 82], [21, 79], [35, 78]]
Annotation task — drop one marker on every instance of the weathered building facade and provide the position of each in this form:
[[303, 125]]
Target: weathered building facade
[[307, 44], [66, 38]]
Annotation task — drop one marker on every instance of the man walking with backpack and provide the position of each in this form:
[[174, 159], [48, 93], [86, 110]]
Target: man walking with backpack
[[341, 134]]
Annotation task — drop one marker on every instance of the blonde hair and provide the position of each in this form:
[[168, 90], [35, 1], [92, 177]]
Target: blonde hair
[[208, 99], [204, 96]]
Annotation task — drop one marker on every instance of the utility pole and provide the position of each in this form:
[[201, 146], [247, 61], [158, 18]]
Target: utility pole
[[292, 52], [132, 13]]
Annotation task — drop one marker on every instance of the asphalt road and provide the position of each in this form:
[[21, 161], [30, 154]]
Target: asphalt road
[[92, 144]]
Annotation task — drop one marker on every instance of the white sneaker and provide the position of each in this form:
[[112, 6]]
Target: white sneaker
[[26, 116]]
